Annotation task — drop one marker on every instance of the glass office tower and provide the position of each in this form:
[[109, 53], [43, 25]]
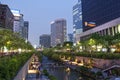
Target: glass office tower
[[99, 11]]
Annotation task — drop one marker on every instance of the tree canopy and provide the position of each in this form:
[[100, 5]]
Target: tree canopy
[[12, 40]]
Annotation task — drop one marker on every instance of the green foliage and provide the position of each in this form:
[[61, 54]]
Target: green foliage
[[45, 72], [86, 72], [39, 54], [67, 43], [48, 52], [13, 40], [51, 77], [105, 41], [99, 55], [55, 57], [96, 36], [9, 65]]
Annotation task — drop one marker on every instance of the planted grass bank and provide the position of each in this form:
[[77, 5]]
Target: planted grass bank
[[100, 55], [10, 65], [99, 60]]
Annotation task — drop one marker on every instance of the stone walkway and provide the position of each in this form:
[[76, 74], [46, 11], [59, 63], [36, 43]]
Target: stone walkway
[[34, 72]]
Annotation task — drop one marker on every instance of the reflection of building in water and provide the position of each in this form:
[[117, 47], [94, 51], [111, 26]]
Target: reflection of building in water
[[68, 69], [67, 76]]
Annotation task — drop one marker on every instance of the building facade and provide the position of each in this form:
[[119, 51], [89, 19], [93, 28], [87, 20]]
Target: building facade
[[6, 17], [45, 41], [105, 14], [16, 25], [70, 37], [19, 24], [99, 12], [58, 32], [77, 20], [25, 30]]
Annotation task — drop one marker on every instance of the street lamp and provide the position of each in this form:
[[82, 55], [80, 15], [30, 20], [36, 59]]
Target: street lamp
[[113, 49], [19, 50], [5, 49], [104, 49]]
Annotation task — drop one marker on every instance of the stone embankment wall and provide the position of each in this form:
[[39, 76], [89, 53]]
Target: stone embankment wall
[[99, 63], [23, 71]]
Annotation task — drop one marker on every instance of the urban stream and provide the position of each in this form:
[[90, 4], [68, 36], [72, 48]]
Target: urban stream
[[58, 70]]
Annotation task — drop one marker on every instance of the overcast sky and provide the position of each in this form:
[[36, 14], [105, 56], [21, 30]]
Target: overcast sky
[[40, 13]]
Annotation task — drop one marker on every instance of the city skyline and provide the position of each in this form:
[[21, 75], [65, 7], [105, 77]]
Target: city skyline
[[41, 13]]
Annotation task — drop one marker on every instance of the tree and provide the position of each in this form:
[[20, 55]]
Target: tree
[[12, 40], [68, 45], [108, 41], [96, 40]]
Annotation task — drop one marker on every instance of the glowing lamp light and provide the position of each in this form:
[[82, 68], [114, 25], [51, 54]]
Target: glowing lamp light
[[104, 50], [98, 50], [99, 47], [35, 46], [80, 47], [93, 46], [119, 28], [113, 49], [19, 50], [5, 49]]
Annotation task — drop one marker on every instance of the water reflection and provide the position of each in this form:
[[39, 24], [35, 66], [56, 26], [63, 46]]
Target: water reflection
[[61, 72], [67, 75]]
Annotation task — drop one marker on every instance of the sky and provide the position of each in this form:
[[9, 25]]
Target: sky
[[40, 13]]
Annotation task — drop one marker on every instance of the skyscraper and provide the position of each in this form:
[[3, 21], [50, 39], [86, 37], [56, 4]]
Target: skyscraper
[[58, 32], [6, 17], [100, 11], [20, 26], [70, 37], [16, 25], [45, 41], [104, 14], [77, 20], [25, 30]]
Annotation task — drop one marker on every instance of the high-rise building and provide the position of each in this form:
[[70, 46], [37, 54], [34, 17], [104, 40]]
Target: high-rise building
[[6, 17], [77, 20], [70, 37], [20, 26], [100, 16], [18, 22], [45, 41], [16, 26], [25, 30], [99, 11], [58, 32]]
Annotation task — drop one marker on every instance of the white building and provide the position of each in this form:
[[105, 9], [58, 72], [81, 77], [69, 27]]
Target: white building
[[58, 32], [18, 22]]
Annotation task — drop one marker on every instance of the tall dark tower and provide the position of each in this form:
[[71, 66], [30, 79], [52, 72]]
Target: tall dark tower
[[104, 14], [77, 20], [99, 11], [6, 17]]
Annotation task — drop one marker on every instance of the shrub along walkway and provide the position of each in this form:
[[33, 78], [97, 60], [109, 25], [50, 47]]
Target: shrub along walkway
[[23, 71]]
